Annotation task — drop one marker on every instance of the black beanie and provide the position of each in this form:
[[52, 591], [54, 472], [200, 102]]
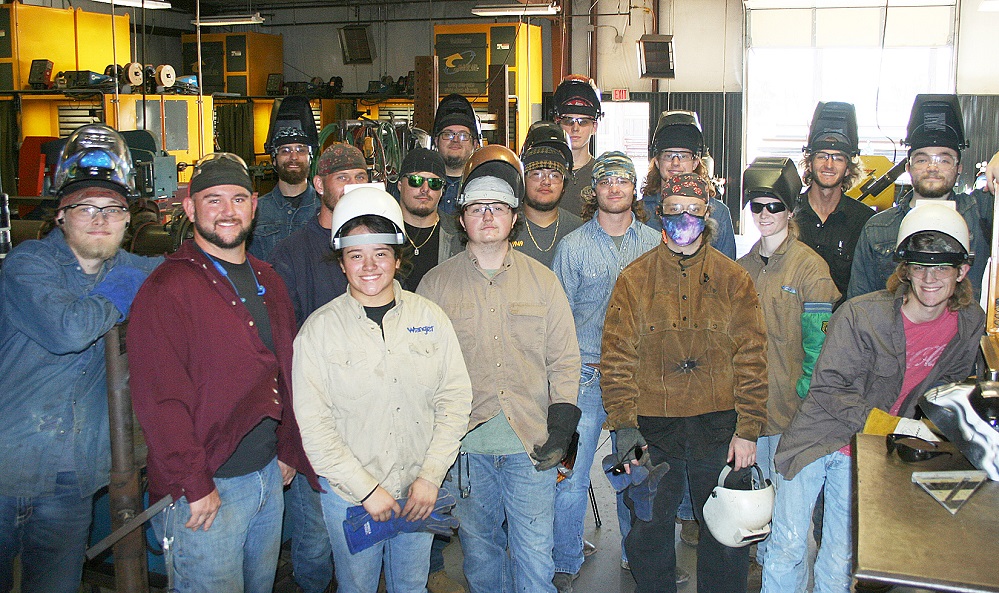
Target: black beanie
[[219, 171], [424, 160]]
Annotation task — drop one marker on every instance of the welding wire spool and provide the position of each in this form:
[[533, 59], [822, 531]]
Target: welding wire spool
[[166, 76], [133, 73]]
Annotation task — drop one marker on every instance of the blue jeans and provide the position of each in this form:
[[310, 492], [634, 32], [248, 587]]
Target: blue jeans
[[572, 494], [240, 550], [406, 556], [623, 512], [765, 448], [785, 570], [506, 488], [697, 446], [50, 533], [311, 555]]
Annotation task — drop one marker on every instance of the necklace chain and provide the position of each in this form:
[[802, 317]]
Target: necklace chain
[[554, 236], [416, 248]]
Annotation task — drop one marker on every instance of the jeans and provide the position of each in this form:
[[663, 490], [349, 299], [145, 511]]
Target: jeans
[[506, 488], [437, 552], [785, 570], [623, 512], [50, 533], [572, 494], [406, 556], [240, 550], [765, 449], [697, 446], [311, 555]]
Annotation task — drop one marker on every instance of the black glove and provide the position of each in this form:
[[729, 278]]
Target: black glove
[[562, 421], [627, 440]]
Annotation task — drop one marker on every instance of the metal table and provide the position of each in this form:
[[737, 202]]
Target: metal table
[[904, 537]]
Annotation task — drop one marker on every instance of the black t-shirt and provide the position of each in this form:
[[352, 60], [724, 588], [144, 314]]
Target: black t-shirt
[[424, 250], [259, 446], [377, 314], [836, 238]]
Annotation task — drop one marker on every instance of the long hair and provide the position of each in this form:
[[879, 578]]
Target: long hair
[[962, 297], [590, 205], [854, 171], [654, 181]]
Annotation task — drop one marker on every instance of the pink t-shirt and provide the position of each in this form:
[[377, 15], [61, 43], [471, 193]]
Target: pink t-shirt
[[924, 343]]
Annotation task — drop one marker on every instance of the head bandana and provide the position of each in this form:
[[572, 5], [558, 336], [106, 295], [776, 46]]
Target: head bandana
[[684, 228]]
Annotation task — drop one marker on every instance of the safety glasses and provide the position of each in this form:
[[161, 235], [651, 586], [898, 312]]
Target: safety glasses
[[434, 183], [771, 207], [912, 449]]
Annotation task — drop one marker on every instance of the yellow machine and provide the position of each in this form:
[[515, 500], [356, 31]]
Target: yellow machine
[[465, 52], [874, 167]]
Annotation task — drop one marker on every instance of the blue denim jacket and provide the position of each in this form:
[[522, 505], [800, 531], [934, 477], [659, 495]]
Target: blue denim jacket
[[873, 262], [276, 219], [53, 391]]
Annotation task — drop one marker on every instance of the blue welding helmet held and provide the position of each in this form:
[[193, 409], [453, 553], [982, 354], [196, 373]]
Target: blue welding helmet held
[[95, 155]]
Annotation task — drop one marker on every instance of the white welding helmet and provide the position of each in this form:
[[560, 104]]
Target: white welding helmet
[[939, 218], [739, 509], [968, 415], [370, 201]]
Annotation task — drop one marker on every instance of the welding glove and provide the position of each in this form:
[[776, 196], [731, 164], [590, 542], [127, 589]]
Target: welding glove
[[562, 421], [627, 440], [119, 286], [814, 321], [644, 492], [362, 532]]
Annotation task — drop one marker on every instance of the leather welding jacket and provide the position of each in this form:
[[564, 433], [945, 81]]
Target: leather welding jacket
[[861, 367], [201, 377], [684, 336], [517, 336], [793, 276], [380, 406], [53, 388]]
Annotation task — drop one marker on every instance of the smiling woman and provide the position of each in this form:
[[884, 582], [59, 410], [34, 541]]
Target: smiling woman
[[374, 368]]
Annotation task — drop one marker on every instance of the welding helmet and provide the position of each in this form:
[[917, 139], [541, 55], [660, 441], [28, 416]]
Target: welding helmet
[[933, 218], [968, 415], [495, 161], [739, 509], [95, 155], [367, 201], [678, 129]]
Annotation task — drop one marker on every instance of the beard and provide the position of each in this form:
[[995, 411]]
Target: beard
[[292, 176], [819, 181], [932, 187], [214, 238], [541, 206], [453, 161], [420, 210]]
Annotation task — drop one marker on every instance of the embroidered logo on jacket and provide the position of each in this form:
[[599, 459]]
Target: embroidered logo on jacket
[[426, 329]]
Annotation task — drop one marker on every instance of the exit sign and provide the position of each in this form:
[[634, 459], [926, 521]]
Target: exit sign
[[620, 94]]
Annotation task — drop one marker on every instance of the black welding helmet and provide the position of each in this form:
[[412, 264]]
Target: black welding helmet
[[936, 120], [455, 110], [773, 177], [577, 95], [677, 129], [546, 146], [834, 127]]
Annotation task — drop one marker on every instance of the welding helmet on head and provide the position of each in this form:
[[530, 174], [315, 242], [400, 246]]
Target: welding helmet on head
[[677, 129], [496, 161], [933, 218], [95, 155]]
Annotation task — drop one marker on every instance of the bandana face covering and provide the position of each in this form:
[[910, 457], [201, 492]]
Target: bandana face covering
[[684, 228]]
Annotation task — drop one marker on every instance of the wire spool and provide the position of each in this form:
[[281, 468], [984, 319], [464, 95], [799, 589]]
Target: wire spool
[[133, 74], [166, 76]]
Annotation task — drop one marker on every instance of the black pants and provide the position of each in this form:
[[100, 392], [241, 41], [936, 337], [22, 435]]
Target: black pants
[[697, 446]]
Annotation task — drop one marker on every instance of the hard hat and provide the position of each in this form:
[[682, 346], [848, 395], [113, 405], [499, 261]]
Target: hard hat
[[939, 218], [455, 110], [773, 177], [497, 161], [834, 127], [95, 155], [677, 129], [577, 94], [371, 201], [966, 413], [289, 135], [739, 513], [546, 146]]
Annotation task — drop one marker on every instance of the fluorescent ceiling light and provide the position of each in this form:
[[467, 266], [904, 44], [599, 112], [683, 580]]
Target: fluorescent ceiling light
[[229, 20], [515, 9], [989, 6], [147, 4], [781, 4]]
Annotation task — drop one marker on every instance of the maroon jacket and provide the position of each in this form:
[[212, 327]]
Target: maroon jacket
[[201, 377]]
